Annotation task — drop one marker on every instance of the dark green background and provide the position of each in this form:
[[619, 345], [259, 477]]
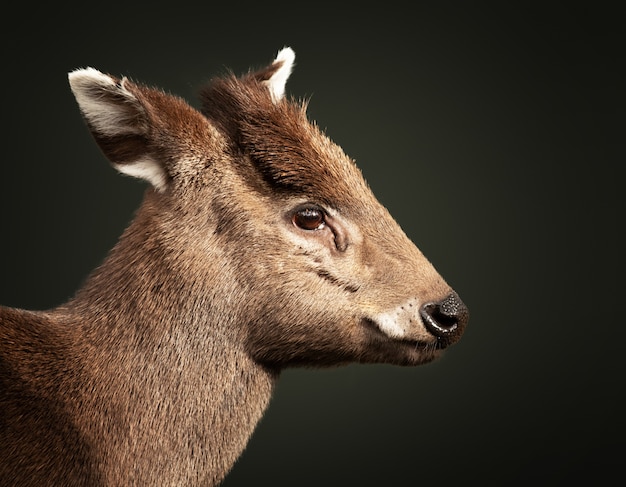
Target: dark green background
[[495, 136]]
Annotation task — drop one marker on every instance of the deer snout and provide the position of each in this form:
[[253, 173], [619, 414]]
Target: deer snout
[[445, 319]]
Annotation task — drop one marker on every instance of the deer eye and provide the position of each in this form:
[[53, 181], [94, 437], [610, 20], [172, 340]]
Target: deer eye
[[309, 218]]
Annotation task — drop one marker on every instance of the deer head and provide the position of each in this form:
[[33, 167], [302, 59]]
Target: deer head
[[268, 229]]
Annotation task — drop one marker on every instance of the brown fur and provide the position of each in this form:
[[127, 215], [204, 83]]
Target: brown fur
[[157, 371]]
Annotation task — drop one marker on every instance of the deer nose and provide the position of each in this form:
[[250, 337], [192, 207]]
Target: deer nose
[[445, 319]]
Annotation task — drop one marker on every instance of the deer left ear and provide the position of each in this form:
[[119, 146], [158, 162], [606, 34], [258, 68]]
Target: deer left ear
[[119, 122], [282, 66]]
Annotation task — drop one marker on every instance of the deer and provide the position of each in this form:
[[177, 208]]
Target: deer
[[258, 246]]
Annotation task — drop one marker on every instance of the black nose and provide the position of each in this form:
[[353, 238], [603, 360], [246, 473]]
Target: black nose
[[446, 319]]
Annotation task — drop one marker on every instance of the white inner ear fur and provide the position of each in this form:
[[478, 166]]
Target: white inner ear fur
[[114, 118], [105, 117], [146, 169], [277, 82]]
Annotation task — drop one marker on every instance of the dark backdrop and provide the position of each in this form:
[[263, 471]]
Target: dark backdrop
[[494, 135]]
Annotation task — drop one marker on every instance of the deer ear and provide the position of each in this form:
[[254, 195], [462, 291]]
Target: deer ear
[[281, 67], [119, 123]]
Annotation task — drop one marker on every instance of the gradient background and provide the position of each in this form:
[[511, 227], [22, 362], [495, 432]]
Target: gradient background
[[494, 135]]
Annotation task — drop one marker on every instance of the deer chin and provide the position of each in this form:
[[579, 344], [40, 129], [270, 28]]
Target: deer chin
[[398, 350]]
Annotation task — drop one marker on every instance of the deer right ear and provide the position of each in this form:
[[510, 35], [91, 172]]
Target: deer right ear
[[119, 123], [280, 70]]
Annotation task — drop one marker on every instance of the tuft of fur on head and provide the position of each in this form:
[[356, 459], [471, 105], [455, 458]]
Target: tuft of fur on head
[[289, 150]]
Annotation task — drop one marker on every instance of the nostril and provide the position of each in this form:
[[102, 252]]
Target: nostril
[[438, 323], [447, 318]]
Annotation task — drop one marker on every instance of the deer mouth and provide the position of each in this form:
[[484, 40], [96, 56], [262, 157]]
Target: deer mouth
[[399, 350]]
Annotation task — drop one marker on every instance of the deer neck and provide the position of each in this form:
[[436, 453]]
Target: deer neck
[[177, 384]]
